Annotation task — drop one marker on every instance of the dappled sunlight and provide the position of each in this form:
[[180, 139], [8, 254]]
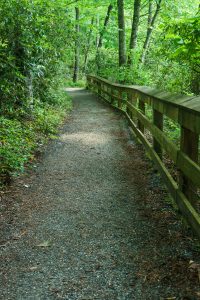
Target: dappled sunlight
[[86, 138], [73, 89]]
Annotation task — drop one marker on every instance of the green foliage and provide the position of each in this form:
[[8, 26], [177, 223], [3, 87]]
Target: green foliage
[[80, 83], [32, 46], [172, 61], [33, 53], [19, 138], [185, 35], [17, 142]]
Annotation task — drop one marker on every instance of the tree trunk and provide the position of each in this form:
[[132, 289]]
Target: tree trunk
[[76, 57], [122, 36], [110, 7], [100, 41], [88, 46], [134, 31], [151, 23], [150, 13]]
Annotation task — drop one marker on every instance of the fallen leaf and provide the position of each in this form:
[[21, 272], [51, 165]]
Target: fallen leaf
[[44, 244], [33, 268]]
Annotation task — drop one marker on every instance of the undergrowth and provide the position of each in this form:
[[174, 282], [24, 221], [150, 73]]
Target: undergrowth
[[21, 134]]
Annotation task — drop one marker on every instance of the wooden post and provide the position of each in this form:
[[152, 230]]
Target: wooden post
[[96, 86], [141, 106], [189, 145], [99, 88], [102, 90], [91, 83], [120, 99], [158, 122], [106, 94], [129, 98], [111, 95]]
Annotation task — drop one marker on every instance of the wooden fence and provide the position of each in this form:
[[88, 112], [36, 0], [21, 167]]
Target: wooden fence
[[135, 102]]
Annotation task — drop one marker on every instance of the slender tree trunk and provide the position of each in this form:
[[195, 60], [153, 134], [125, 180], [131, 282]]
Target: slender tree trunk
[[88, 46], [150, 13], [97, 35], [110, 7], [76, 57], [151, 23], [134, 31], [122, 35], [100, 41]]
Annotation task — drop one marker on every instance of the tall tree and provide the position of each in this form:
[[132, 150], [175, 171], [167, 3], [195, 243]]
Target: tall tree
[[134, 31], [100, 43], [150, 27], [76, 56], [100, 40], [150, 13], [88, 45], [122, 35]]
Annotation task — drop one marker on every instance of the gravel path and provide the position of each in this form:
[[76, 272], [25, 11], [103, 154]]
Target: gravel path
[[90, 222]]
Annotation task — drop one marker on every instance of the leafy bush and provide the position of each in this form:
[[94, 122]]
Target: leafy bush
[[17, 143], [20, 137]]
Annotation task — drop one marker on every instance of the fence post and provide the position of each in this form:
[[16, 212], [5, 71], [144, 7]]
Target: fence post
[[141, 106], [120, 99], [99, 89], [158, 122], [189, 145], [129, 99]]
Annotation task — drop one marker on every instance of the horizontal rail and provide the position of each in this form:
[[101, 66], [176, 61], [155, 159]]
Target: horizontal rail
[[185, 111]]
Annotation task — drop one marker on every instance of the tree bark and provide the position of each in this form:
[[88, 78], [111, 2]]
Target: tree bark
[[88, 46], [134, 31], [76, 57], [151, 23], [122, 35], [150, 13], [110, 7], [100, 41]]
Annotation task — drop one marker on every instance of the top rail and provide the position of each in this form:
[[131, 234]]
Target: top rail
[[135, 101], [183, 109]]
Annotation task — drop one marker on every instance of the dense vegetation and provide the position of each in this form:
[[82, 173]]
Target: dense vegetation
[[33, 38], [157, 42], [44, 43]]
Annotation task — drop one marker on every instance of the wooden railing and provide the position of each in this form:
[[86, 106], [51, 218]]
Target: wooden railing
[[135, 102]]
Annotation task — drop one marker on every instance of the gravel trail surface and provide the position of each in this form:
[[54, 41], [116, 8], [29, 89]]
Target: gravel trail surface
[[91, 222]]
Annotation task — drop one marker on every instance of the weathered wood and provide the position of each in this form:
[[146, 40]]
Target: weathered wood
[[189, 146], [166, 144], [169, 181], [182, 161], [158, 122], [129, 99], [120, 99], [188, 212], [184, 205], [141, 107], [189, 168], [182, 109]]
